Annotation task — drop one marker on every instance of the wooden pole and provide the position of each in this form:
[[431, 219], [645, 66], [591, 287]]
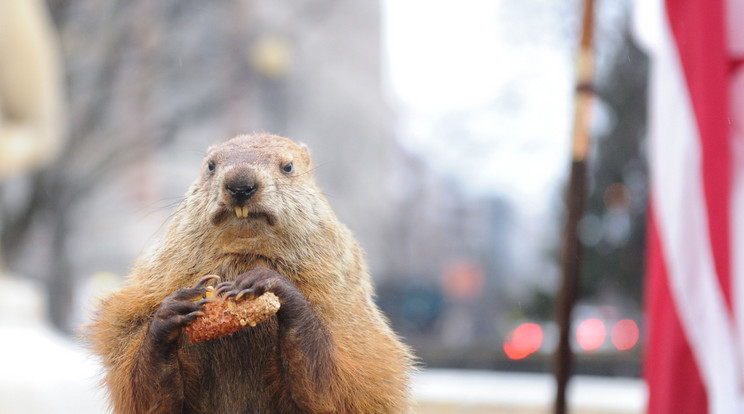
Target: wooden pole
[[571, 254]]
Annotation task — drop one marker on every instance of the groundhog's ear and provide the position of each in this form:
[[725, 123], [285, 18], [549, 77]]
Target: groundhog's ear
[[305, 151]]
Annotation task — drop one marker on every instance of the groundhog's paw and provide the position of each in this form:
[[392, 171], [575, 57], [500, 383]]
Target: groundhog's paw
[[255, 283], [175, 312]]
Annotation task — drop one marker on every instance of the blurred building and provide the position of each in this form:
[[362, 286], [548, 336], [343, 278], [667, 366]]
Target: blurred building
[[152, 84]]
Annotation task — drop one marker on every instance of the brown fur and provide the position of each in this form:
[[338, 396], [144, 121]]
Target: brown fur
[[331, 351]]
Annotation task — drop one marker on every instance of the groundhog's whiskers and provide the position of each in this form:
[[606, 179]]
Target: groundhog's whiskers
[[159, 205]]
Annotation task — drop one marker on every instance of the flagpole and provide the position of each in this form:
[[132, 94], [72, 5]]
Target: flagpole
[[571, 254]]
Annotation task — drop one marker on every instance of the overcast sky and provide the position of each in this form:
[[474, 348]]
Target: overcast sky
[[487, 84]]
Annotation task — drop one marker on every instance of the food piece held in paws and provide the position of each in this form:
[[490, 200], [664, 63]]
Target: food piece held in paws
[[226, 316]]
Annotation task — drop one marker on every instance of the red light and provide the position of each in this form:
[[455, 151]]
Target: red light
[[625, 334], [523, 341], [463, 280], [591, 334]]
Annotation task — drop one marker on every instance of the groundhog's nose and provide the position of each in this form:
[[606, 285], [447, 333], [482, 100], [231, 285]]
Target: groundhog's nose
[[241, 192]]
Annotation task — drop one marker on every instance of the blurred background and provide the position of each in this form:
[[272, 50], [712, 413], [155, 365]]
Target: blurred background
[[441, 132]]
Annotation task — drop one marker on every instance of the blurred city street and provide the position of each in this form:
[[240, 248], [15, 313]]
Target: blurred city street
[[457, 391], [445, 152]]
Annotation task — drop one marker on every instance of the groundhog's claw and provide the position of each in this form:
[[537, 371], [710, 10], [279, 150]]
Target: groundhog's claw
[[237, 294], [230, 294], [223, 288], [203, 301], [183, 320], [249, 292], [206, 280]]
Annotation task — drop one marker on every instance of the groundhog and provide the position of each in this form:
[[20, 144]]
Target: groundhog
[[256, 218]]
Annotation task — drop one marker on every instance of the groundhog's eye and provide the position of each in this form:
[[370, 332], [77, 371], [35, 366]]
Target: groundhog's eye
[[288, 168], [211, 166]]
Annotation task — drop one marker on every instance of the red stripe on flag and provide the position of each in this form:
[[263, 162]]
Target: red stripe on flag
[[674, 381], [698, 28]]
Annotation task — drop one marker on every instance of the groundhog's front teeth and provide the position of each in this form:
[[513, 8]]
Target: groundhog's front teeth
[[241, 212]]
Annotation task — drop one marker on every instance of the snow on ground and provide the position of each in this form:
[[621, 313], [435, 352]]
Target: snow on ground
[[45, 372], [41, 370], [522, 392]]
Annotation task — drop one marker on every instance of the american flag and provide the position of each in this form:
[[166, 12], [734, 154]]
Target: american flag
[[694, 360]]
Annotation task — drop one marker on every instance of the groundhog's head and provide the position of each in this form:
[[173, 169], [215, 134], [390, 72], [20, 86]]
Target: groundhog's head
[[257, 189]]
